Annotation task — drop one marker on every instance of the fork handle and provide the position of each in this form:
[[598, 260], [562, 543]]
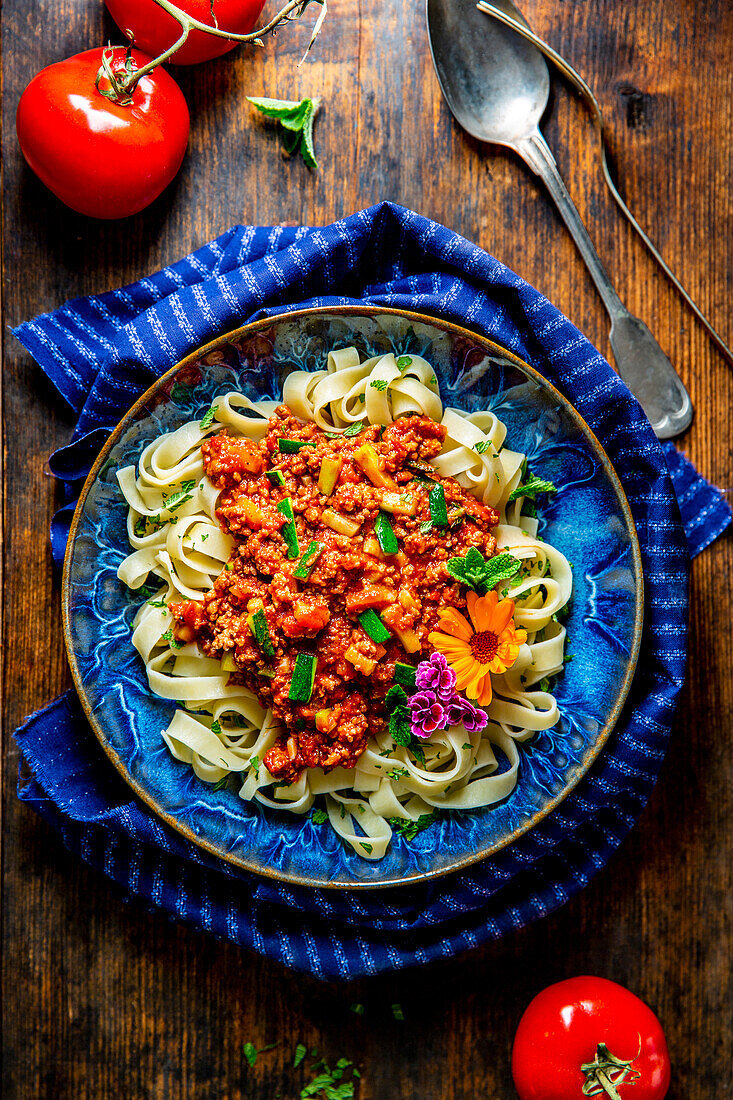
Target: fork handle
[[642, 364]]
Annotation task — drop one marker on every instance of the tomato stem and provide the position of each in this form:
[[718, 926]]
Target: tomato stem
[[606, 1072], [122, 85]]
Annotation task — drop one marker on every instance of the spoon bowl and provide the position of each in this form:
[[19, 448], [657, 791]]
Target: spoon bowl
[[497, 84]]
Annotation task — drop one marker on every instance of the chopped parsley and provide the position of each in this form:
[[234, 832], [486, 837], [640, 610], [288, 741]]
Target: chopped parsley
[[157, 603], [216, 727], [397, 1012], [319, 817], [403, 362], [407, 829], [369, 848], [254, 763], [168, 637], [221, 784], [398, 773], [300, 1052], [379, 384], [357, 1009]]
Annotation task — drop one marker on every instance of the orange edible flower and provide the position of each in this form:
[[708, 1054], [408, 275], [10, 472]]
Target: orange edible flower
[[473, 652]]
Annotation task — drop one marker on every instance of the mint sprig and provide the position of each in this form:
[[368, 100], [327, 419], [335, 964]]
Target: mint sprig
[[476, 572], [531, 488], [296, 117]]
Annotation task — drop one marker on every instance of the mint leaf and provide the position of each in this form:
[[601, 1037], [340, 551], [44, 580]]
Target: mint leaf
[[278, 108], [307, 150], [477, 573], [296, 117], [531, 488]]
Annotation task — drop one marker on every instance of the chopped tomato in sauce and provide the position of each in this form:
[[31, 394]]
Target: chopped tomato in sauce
[[379, 470]]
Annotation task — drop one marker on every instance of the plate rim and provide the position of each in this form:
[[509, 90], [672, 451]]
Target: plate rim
[[293, 878]]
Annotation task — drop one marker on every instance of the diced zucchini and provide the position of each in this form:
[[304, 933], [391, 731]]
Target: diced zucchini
[[304, 674], [405, 675], [385, 535], [341, 524], [288, 530], [275, 477], [261, 632], [373, 626], [438, 510], [409, 639], [305, 566], [367, 459], [364, 665], [228, 664], [404, 504], [292, 446], [329, 475]]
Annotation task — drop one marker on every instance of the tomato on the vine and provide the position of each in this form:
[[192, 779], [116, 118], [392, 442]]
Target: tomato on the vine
[[589, 1031], [155, 30], [100, 157]]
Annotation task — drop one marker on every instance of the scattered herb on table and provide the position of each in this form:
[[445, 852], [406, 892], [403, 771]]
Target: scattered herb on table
[[296, 117], [319, 817], [251, 1052]]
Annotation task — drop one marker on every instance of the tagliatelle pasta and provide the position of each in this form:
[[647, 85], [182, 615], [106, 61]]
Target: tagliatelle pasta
[[205, 519]]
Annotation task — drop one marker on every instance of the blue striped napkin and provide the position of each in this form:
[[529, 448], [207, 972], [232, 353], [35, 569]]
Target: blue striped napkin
[[99, 354]]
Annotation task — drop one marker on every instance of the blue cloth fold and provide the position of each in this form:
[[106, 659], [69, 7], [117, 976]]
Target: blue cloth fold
[[101, 352]]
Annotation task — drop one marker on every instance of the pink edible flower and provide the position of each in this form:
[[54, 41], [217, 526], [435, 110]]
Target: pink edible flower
[[460, 710], [437, 676], [427, 714]]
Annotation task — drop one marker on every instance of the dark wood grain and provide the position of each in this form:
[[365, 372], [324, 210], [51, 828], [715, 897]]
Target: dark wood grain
[[103, 1000]]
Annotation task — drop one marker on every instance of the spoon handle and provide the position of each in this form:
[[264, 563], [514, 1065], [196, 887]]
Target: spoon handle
[[642, 364]]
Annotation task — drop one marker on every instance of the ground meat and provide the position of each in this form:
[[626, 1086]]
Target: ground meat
[[377, 470]]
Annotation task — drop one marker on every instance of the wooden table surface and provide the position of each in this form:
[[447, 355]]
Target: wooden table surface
[[103, 1000]]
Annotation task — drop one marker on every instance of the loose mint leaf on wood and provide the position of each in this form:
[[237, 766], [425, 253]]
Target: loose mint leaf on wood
[[296, 117]]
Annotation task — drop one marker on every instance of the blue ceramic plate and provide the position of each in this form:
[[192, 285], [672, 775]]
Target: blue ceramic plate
[[588, 519]]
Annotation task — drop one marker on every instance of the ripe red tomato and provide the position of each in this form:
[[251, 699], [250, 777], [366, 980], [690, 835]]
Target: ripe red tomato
[[155, 30], [561, 1029], [101, 158]]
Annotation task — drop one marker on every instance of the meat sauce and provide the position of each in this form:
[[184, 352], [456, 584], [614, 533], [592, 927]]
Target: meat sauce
[[375, 474]]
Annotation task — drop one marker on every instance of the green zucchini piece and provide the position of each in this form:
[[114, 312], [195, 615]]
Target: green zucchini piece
[[288, 530], [304, 673], [372, 625], [305, 566], [292, 446], [275, 477], [385, 535], [261, 631], [438, 510], [329, 474], [404, 675]]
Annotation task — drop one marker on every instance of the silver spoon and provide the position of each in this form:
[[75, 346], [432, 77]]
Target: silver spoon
[[497, 86]]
